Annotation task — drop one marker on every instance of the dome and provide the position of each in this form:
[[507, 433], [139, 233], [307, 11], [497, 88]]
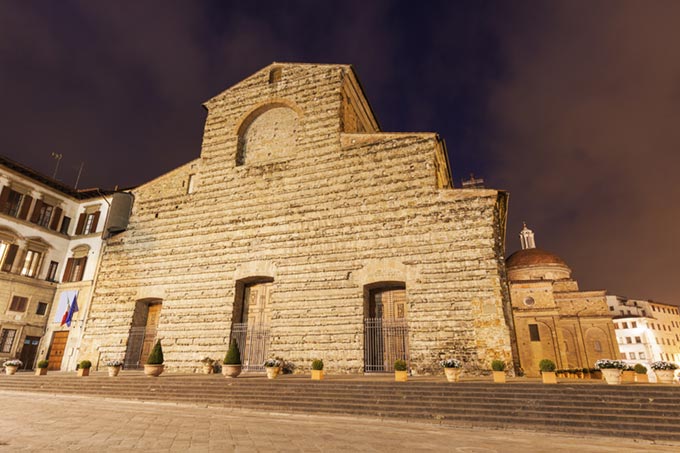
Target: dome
[[536, 264], [532, 257]]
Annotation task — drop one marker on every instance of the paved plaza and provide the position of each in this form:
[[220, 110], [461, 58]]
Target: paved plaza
[[47, 423]]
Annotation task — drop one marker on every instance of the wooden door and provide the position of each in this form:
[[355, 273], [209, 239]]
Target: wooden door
[[28, 352], [150, 331], [56, 352], [256, 304], [386, 329]]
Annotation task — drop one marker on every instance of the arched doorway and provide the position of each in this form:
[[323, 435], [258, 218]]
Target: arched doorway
[[251, 321], [143, 332], [385, 326]]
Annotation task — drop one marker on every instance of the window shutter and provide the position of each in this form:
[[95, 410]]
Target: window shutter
[[9, 258], [4, 196], [82, 269], [56, 217], [81, 223], [68, 271], [95, 219], [36, 211], [25, 207]]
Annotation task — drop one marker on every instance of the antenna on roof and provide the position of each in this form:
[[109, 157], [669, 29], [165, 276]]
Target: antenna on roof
[[56, 167], [79, 172]]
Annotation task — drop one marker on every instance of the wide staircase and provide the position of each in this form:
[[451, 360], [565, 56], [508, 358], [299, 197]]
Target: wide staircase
[[649, 412]]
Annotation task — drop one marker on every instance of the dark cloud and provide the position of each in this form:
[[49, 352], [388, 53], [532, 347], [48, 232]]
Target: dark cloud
[[571, 106]]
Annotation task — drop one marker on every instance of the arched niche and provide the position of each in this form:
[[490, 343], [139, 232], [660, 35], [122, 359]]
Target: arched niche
[[267, 133]]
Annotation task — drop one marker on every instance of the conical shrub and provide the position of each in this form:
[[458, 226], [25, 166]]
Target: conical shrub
[[233, 354], [156, 356]]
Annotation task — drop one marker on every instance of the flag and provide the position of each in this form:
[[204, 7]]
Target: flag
[[72, 309], [65, 317]]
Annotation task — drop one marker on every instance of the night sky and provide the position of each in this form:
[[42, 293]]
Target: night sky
[[573, 106]]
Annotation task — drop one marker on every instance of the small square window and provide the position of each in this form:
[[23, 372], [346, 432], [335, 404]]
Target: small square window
[[42, 308], [18, 303]]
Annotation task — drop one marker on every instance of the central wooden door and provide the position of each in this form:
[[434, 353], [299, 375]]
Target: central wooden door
[[29, 351], [56, 353], [256, 304], [150, 331], [386, 329]]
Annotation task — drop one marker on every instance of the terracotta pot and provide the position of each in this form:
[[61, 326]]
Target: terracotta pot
[[641, 377], [628, 376], [40, 371], [272, 372], [10, 369], [664, 376], [153, 370], [113, 370], [549, 377], [612, 375], [452, 374], [401, 376], [499, 377], [231, 371], [317, 375], [83, 372]]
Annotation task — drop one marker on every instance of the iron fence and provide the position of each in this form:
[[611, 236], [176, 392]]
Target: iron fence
[[252, 344], [385, 341]]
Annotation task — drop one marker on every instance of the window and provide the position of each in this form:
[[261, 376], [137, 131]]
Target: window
[[274, 75], [87, 222], [31, 263], [52, 271], [597, 346], [529, 301], [8, 253], [533, 332], [638, 340], [64, 225], [642, 356], [631, 355], [42, 308], [629, 340], [43, 214], [625, 325], [633, 324], [18, 303], [190, 185], [14, 203], [75, 268], [644, 313], [611, 308], [623, 356], [7, 339]]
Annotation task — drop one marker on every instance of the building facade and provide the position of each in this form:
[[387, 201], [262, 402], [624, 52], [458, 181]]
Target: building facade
[[646, 331], [553, 318], [50, 243], [303, 231]]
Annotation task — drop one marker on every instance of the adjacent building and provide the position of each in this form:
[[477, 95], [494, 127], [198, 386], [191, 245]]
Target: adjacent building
[[50, 244], [553, 318], [304, 231]]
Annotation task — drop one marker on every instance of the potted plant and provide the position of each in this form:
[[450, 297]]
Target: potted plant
[[154, 364], [273, 367], [664, 371], [42, 368], [400, 370], [611, 370], [640, 373], [628, 374], [451, 369], [208, 365], [547, 368], [113, 367], [84, 368], [498, 367], [11, 366], [585, 373], [317, 370], [596, 373], [232, 361]]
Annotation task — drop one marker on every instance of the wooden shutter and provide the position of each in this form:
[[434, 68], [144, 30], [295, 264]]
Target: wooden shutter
[[95, 219], [55, 219], [25, 207], [4, 196], [83, 262], [9, 258], [68, 271], [36, 211], [81, 223]]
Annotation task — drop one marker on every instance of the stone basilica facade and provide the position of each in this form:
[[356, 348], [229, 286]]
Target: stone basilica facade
[[303, 231]]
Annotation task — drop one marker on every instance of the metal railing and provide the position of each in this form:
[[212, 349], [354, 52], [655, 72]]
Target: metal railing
[[135, 347], [252, 343], [385, 341]]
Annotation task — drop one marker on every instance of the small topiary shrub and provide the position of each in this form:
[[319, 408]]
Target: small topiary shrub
[[640, 369], [400, 365], [85, 364], [43, 364], [317, 364], [233, 356], [546, 365], [156, 356], [498, 365]]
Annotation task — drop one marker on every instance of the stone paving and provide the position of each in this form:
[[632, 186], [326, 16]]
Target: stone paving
[[35, 422]]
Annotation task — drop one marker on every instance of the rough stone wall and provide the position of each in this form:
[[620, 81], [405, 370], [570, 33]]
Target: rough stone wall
[[323, 220]]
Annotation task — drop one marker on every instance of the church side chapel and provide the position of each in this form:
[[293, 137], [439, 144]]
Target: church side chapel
[[553, 318], [303, 231]]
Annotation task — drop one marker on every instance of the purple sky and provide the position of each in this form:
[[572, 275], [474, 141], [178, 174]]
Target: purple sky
[[571, 106]]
